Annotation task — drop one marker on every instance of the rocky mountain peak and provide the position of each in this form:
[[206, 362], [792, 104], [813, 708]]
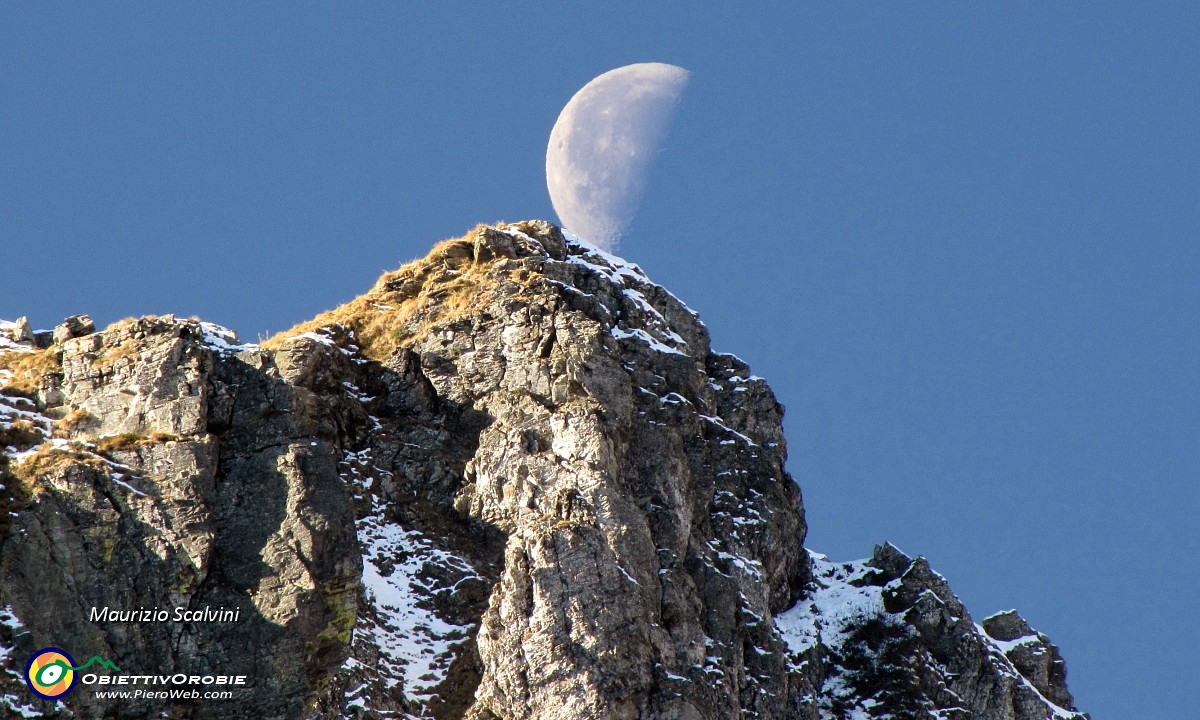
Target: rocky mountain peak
[[512, 480]]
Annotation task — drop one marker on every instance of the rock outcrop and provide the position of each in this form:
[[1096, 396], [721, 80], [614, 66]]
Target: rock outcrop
[[511, 481]]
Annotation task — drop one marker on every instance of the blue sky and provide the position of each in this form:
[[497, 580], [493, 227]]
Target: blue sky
[[959, 240]]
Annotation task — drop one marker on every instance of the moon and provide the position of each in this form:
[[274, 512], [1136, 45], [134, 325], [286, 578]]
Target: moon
[[603, 144]]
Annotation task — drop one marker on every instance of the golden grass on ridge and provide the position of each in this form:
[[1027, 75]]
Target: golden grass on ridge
[[406, 303]]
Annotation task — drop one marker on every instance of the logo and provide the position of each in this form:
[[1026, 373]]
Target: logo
[[50, 673]]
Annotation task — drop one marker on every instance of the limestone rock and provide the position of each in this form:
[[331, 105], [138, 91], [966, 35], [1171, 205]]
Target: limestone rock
[[1031, 653], [198, 490], [511, 481], [17, 331], [73, 327], [885, 637]]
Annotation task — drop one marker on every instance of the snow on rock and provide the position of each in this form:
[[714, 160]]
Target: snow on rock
[[650, 326], [10, 626], [12, 702], [328, 336], [1022, 653], [416, 645], [888, 639], [14, 336], [20, 413], [839, 599], [223, 340], [401, 646], [650, 340], [20, 420]]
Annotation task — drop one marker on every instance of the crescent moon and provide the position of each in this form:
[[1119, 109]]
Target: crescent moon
[[602, 146]]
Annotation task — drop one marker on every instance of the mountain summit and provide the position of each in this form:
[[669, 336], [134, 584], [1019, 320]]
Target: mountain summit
[[512, 481]]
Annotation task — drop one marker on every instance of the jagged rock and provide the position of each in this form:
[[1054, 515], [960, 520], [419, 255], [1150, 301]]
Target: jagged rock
[[1031, 653], [512, 481], [73, 327], [885, 637], [199, 489], [17, 331]]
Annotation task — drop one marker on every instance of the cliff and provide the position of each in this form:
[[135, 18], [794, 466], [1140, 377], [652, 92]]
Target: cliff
[[510, 481]]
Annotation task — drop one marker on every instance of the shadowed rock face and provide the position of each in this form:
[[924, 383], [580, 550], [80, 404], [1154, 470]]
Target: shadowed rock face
[[209, 489], [511, 481]]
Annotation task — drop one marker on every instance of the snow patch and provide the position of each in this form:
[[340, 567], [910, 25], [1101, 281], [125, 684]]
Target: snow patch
[[639, 334], [403, 571], [12, 701], [835, 602], [999, 650], [1007, 646], [721, 424], [324, 337], [223, 340], [416, 644], [841, 599], [631, 281]]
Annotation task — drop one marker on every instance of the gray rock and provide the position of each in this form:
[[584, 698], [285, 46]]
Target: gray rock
[[176, 508], [1032, 654], [511, 481], [73, 327], [19, 331]]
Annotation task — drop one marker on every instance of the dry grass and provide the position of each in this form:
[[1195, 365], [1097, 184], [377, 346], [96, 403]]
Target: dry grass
[[49, 460], [118, 324], [76, 421], [110, 355], [27, 369], [20, 434], [128, 347], [131, 441], [405, 304], [14, 497]]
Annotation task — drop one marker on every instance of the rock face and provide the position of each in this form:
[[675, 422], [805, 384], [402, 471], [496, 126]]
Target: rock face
[[511, 481], [203, 487]]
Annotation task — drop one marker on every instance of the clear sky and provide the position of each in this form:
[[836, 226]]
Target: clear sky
[[960, 241]]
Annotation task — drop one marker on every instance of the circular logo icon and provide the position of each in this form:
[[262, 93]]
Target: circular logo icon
[[49, 673]]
